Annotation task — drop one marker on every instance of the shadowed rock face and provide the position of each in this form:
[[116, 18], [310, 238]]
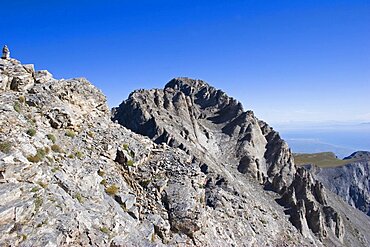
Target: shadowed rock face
[[211, 126], [351, 182], [224, 139]]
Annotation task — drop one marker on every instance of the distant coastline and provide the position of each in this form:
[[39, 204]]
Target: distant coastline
[[341, 139]]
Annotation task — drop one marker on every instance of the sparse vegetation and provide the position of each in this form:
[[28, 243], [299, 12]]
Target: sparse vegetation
[[24, 237], [31, 132], [42, 184], [35, 189], [70, 133], [51, 137], [51, 160], [54, 169], [91, 134], [78, 154], [17, 107], [40, 155], [22, 99], [325, 159], [104, 230], [5, 146], [56, 148], [112, 190], [79, 197], [125, 146], [38, 203], [130, 163]]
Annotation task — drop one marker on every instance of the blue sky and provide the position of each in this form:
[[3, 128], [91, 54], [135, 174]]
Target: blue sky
[[286, 60]]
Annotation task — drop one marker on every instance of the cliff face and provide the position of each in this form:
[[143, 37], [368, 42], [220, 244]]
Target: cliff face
[[351, 182], [229, 144], [69, 176]]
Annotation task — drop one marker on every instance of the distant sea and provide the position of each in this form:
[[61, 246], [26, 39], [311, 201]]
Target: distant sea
[[340, 139]]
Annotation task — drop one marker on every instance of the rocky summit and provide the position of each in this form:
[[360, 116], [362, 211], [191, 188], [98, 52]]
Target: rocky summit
[[182, 166]]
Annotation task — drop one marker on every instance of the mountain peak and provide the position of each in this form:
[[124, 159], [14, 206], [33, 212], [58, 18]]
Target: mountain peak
[[208, 175]]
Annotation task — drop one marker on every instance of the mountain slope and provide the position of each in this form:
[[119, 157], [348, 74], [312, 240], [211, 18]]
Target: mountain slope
[[69, 176], [351, 182], [230, 145]]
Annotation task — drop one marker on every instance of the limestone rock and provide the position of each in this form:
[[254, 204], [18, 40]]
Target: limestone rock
[[351, 182], [229, 144], [69, 176]]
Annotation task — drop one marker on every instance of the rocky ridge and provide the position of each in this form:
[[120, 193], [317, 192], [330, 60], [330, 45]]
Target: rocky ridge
[[230, 144], [70, 176], [351, 182]]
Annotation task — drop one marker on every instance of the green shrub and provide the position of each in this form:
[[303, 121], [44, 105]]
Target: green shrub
[[55, 169], [101, 173], [17, 107], [79, 197], [130, 162], [103, 182], [31, 132], [22, 99], [70, 133], [71, 156], [51, 137], [40, 155], [78, 154], [112, 190], [125, 146], [104, 230], [56, 148], [5, 146], [33, 159], [35, 189]]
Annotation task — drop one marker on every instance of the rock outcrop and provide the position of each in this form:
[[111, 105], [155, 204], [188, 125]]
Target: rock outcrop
[[226, 140], [351, 182], [69, 176]]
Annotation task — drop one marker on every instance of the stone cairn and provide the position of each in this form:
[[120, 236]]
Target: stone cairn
[[6, 52]]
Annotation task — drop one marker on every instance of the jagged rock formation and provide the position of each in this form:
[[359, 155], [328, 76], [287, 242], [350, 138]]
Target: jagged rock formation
[[69, 176], [351, 182], [229, 144]]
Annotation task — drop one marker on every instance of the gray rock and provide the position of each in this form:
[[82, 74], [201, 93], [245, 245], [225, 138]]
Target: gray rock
[[351, 181], [228, 142], [104, 185]]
